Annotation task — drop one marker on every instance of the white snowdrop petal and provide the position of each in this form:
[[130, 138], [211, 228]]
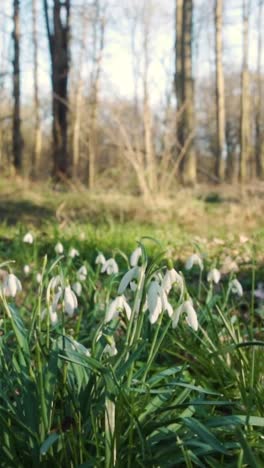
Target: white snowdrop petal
[[214, 275], [191, 316], [127, 278], [77, 288], [100, 259], [127, 309], [236, 287], [59, 248], [28, 238], [135, 256], [112, 311]]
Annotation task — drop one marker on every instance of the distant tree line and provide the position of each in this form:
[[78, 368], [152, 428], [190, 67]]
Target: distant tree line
[[91, 136]]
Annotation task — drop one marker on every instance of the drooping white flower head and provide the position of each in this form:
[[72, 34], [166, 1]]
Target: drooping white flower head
[[100, 259], [172, 277], [186, 307], [110, 349], [135, 256], [28, 238], [70, 301], [59, 249], [77, 287], [74, 253], [52, 314], [110, 267], [55, 282], [38, 277], [236, 287], [214, 275], [129, 276], [82, 273], [118, 305], [194, 259], [157, 301], [11, 285], [26, 269]]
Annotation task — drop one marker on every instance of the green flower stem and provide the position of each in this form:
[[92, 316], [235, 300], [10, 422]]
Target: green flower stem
[[156, 343]]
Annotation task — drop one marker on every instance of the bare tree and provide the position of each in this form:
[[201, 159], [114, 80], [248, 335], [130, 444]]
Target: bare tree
[[220, 92], [184, 89], [58, 31], [259, 152], [245, 104], [78, 95], [37, 123], [98, 49], [17, 136]]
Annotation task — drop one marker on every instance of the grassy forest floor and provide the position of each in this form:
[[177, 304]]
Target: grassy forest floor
[[88, 391]]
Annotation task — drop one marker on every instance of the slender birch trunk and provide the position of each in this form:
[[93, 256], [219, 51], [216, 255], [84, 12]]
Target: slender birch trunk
[[98, 47], [245, 105], [37, 124], [147, 117], [220, 93]]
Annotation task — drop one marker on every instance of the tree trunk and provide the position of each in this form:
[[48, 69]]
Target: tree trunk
[[17, 136], [184, 89], [98, 48], [245, 123], [147, 117], [220, 93], [37, 124], [258, 124], [59, 42]]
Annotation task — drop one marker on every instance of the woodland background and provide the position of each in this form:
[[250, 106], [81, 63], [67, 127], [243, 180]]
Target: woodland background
[[137, 96]]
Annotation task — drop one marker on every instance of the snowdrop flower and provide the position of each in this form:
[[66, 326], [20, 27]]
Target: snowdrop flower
[[110, 349], [77, 287], [55, 282], [157, 301], [116, 306], [194, 260], [74, 253], [11, 285], [59, 248], [259, 292], [186, 307], [38, 277], [70, 301], [26, 269], [135, 256], [100, 259], [214, 276], [171, 277], [110, 267], [236, 287], [154, 302], [28, 238], [82, 273], [52, 314], [129, 276]]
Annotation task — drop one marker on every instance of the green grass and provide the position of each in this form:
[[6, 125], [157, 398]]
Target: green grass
[[169, 397]]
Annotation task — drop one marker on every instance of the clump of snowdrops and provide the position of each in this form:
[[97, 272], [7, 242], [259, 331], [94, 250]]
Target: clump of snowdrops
[[101, 366]]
